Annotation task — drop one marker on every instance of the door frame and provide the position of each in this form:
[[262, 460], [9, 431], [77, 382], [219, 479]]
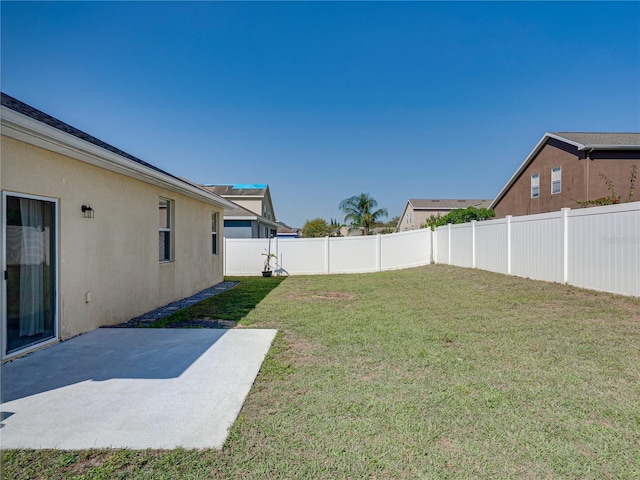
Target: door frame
[[56, 266]]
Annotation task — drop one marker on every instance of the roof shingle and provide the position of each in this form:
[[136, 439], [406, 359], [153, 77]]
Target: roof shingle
[[447, 204], [21, 107], [589, 139]]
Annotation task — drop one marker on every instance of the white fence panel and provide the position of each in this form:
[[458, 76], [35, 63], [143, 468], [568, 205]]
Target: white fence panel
[[441, 248], [353, 254], [492, 245], [312, 256], [405, 249], [243, 256], [604, 248], [537, 247], [462, 245], [302, 256]]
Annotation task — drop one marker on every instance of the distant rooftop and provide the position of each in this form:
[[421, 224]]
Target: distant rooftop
[[257, 189], [595, 139], [239, 186], [447, 204]]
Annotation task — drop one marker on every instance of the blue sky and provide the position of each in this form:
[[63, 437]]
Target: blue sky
[[326, 100]]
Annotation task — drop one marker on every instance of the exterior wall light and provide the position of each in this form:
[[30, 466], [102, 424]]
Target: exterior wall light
[[87, 211]]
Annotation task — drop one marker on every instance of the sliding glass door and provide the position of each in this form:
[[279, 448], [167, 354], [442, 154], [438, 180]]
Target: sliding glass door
[[30, 315]]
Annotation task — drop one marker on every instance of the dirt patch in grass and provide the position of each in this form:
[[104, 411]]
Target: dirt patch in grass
[[85, 463], [301, 349], [320, 296]]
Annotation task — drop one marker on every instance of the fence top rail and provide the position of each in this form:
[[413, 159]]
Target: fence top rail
[[353, 238], [417, 231], [458, 226], [602, 210], [489, 223], [536, 217]]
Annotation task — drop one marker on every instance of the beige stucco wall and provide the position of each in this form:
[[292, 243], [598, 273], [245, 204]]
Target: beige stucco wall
[[256, 205], [418, 217], [252, 204], [114, 255]]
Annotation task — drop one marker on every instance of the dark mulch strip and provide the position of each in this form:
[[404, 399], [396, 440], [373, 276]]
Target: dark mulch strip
[[173, 307]]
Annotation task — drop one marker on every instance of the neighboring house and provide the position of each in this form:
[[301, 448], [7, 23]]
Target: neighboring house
[[566, 168], [91, 235], [346, 231], [285, 231], [417, 211], [252, 216]]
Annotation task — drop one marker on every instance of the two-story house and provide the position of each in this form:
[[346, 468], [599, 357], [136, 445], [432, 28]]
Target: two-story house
[[253, 216], [566, 168]]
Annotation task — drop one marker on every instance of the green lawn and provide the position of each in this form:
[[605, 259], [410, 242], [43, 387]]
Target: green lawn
[[435, 372]]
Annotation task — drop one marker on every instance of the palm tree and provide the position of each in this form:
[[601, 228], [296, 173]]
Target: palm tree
[[360, 212]]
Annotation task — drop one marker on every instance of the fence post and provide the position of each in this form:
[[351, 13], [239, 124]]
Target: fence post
[[509, 217], [473, 244], [378, 252], [224, 256], [565, 246], [326, 255], [449, 239], [431, 239]]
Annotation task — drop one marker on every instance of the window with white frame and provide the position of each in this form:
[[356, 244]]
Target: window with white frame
[[556, 180], [214, 233], [165, 222], [535, 185]]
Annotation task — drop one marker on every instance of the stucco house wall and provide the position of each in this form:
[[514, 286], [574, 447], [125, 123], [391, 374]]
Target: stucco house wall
[[114, 257], [581, 178], [414, 219]]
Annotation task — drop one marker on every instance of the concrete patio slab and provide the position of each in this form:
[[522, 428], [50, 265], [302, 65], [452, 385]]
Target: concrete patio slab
[[131, 388]]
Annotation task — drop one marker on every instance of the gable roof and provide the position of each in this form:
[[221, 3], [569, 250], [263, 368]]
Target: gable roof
[[28, 124], [599, 141], [21, 107], [238, 212], [446, 204], [580, 140]]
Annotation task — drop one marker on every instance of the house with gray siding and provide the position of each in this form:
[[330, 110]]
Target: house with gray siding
[[252, 216]]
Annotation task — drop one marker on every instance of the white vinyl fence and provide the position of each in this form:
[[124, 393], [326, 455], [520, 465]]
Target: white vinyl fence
[[312, 256], [596, 248]]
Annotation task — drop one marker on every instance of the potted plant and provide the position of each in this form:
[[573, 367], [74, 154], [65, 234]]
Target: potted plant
[[266, 272]]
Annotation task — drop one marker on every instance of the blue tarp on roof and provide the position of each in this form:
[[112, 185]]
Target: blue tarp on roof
[[250, 185]]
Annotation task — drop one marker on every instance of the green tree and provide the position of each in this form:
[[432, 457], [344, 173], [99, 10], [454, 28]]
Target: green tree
[[318, 227], [335, 228], [393, 223], [360, 212], [459, 215]]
